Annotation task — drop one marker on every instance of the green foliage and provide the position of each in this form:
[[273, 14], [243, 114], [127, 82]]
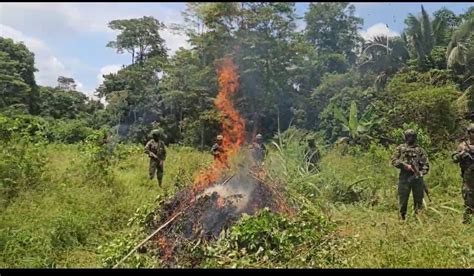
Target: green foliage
[[70, 131], [21, 166], [432, 108], [358, 128], [140, 37], [423, 139], [272, 240], [17, 80], [333, 27]]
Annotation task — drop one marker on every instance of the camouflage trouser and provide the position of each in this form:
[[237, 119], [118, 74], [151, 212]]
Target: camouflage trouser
[[404, 188], [468, 196], [155, 168]]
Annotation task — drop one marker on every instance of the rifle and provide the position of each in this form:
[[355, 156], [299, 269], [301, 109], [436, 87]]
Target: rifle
[[417, 174]]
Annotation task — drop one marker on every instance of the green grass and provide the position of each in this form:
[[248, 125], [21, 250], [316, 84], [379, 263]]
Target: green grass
[[63, 221], [72, 220]]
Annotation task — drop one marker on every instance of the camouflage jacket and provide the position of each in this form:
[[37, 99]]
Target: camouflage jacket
[[216, 149], [405, 154], [259, 151], [464, 156], [158, 148]]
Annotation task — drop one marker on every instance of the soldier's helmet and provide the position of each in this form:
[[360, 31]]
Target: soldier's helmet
[[410, 132], [220, 137], [259, 136], [157, 133], [470, 128]]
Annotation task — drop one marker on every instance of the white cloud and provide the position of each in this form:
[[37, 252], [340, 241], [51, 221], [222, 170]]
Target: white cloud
[[379, 29], [79, 85], [49, 66], [105, 70], [64, 19]]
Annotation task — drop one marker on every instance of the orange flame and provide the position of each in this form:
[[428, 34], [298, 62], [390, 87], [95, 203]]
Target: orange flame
[[233, 126]]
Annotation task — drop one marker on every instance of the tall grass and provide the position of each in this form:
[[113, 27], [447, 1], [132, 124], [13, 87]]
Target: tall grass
[[71, 220], [64, 220]]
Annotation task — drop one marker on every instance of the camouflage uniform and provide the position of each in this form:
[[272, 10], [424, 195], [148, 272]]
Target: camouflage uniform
[[312, 155], [404, 154], [259, 151], [463, 156], [155, 149], [217, 150]]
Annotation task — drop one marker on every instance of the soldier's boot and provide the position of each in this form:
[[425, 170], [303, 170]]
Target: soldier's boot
[[403, 216], [466, 218]]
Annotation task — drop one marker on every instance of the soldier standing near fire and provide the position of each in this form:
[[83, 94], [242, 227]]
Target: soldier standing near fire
[[155, 149], [217, 149], [259, 151], [413, 164], [464, 155]]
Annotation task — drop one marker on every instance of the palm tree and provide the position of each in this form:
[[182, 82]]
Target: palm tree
[[460, 51], [461, 44], [384, 54], [419, 35]]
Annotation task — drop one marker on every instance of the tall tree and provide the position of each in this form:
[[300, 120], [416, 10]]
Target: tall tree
[[17, 79], [67, 84], [140, 37], [333, 27]]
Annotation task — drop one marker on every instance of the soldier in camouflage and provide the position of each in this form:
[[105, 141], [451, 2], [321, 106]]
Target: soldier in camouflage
[[405, 158], [312, 154], [217, 150], [464, 156], [259, 151], [155, 149]]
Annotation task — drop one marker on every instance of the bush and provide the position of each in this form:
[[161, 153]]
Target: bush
[[69, 131], [273, 240], [431, 108]]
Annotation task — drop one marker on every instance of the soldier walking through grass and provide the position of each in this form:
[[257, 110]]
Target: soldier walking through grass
[[155, 149]]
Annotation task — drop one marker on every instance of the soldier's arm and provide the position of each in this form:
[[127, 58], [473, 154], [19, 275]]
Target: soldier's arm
[[148, 151], [214, 149], [395, 160], [163, 150], [457, 155], [147, 148], [426, 164]]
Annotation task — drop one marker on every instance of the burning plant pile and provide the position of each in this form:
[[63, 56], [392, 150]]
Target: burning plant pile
[[217, 197]]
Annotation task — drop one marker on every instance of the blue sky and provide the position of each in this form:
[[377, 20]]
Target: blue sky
[[69, 38]]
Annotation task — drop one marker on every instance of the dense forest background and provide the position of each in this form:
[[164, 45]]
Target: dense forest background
[[324, 78]]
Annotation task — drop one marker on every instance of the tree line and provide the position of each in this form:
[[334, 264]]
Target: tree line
[[324, 78]]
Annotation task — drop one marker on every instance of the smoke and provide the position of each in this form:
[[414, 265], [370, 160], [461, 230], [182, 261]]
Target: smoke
[[239, 191]]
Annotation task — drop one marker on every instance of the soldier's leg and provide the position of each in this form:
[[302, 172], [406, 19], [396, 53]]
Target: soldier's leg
[[159, 174], [418, 192], [151, 169], [403, 194], [468, 197]]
